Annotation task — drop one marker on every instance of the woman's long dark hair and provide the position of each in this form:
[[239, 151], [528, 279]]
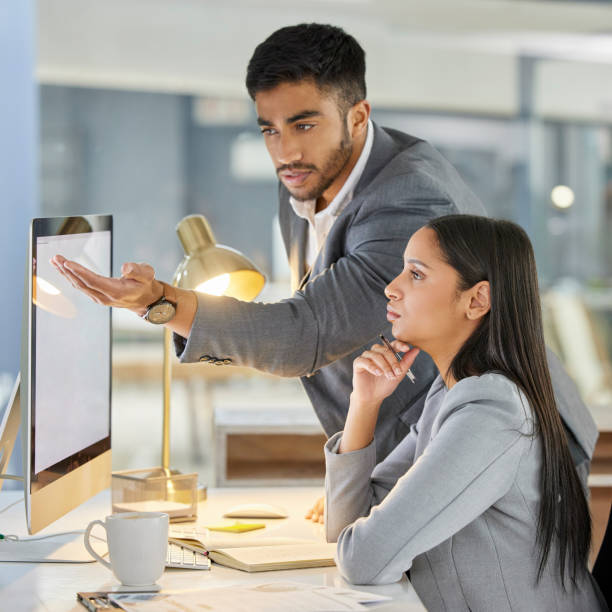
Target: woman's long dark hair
[[510, 340]]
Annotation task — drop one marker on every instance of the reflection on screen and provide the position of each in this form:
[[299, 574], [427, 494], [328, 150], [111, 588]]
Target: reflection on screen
[[72, 352]]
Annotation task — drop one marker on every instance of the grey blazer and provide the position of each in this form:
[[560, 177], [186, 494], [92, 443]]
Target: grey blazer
[[338, 308], [456, 502]]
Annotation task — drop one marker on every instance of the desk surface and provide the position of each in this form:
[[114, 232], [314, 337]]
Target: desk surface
[[49, 586]]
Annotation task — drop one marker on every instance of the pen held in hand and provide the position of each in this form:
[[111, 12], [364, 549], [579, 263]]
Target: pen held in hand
[[409, 374]]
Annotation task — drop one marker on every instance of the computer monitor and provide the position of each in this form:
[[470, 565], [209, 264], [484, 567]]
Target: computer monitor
[[65, 371]]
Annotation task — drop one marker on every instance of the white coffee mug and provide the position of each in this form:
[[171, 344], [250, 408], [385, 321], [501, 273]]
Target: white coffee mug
[[137, 546]]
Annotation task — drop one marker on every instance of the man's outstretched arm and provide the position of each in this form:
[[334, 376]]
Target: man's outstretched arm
[[135, 290], [337, 311]]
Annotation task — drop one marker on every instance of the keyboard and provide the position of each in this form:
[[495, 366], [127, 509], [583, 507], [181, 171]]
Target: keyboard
[[184, 556]]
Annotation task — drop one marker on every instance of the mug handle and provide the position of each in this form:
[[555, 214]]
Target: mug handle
[[88, 546]]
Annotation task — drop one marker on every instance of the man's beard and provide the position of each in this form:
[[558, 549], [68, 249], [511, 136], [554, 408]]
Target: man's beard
[[332, 168]]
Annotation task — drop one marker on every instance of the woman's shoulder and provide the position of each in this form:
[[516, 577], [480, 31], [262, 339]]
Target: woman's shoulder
[[501, 395], [493, 382]]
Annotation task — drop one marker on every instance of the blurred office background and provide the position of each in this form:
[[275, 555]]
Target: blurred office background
[[138, 108]]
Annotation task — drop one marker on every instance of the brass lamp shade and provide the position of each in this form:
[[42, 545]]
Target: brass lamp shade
[[212, 268]]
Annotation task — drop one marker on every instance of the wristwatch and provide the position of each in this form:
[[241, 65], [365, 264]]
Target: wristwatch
[[160, 311]]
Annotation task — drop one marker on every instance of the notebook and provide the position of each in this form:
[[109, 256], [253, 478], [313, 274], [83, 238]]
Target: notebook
[[276, 557], [258, 554]]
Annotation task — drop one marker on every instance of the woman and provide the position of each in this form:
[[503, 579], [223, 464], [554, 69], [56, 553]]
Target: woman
[[481, 500]]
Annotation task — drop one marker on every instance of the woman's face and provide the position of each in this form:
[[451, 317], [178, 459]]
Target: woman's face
[[425, 307]]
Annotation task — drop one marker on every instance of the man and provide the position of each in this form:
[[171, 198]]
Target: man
[[350, 196]]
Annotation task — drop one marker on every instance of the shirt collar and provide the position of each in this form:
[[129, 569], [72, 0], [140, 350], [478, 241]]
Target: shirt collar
[[306, 208]]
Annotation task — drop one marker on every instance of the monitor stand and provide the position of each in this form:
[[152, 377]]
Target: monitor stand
[[67, 548], [9, 428]]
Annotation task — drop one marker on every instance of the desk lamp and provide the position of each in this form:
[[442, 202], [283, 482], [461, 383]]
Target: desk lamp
[[210, 268]]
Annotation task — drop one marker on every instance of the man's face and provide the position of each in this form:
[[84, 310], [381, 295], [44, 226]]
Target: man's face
[[307, 138]]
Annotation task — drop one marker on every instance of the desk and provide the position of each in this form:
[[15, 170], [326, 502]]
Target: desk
[[52, 587]]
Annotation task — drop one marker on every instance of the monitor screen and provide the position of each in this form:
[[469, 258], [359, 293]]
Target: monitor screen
[[72, 340], [68, 370]]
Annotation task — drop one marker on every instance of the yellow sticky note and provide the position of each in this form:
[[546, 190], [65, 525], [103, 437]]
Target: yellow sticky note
[[236, 527]]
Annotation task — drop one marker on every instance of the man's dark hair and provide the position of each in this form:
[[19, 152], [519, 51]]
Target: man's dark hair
[[329, 56]]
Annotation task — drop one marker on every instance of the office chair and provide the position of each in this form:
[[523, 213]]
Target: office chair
[[602, 570], [573, 333]]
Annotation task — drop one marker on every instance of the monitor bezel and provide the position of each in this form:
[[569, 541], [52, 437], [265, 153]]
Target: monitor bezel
[[96, 456]]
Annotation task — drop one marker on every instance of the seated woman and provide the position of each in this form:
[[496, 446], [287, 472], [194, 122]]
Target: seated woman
[[481, 500]]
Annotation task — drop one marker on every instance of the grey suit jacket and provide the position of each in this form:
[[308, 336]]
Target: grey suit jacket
[[338, 308], [457, 502]]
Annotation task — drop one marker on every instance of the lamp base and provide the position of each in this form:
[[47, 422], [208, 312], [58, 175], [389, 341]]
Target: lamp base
[[157, 490]]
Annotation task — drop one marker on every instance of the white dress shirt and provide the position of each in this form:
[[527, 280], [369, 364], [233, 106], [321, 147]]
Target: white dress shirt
[[320, 223]]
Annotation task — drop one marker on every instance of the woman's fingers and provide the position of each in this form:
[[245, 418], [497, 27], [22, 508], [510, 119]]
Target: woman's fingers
[[390, 357], [363, 364], [380, 360], [408, 359], [400, 346], [409, 353]]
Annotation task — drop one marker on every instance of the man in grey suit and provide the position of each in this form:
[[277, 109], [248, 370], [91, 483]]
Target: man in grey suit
[[351, 194]]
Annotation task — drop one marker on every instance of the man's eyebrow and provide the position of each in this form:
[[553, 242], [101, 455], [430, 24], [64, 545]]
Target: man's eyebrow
[[306, 114], [416, 261], [303, 115]]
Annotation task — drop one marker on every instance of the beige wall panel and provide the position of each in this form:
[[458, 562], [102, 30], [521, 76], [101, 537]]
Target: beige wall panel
[[573, 90], [201, 47]]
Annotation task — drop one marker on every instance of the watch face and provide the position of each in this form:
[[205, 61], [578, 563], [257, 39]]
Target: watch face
[[161, 313]]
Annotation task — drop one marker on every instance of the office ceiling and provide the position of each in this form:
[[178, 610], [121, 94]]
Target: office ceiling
[[461, 53], [574, 30]]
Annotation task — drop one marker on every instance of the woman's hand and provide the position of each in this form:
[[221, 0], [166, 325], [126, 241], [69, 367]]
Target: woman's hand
[[377, 373]]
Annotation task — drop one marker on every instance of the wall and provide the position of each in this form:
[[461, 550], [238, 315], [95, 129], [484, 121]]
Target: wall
[[18, 168], [18, 182]]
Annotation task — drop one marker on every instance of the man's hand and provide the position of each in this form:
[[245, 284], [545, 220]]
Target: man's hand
[[135, 290], [316, 513]]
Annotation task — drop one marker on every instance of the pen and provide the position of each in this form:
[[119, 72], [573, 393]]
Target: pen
[[409, 374]]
